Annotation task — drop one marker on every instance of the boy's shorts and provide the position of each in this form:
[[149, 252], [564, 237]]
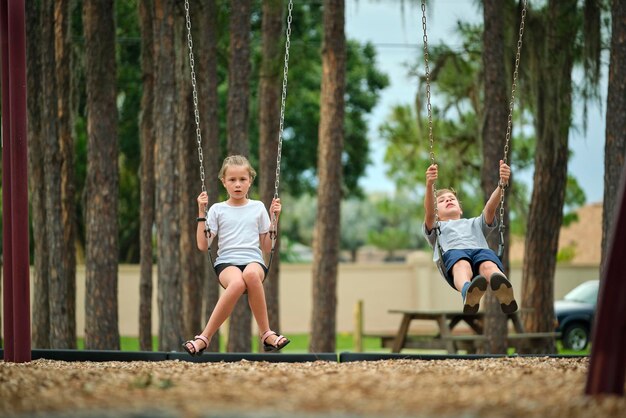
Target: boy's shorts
[[475, 257]]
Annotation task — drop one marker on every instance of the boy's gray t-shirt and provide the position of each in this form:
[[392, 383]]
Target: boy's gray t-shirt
[[461, 234], [238, 229]]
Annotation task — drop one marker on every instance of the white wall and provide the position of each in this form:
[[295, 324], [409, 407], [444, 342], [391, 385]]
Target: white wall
[[415, 284]]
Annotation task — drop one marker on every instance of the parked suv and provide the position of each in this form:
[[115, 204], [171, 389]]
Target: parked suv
[[575, 315]]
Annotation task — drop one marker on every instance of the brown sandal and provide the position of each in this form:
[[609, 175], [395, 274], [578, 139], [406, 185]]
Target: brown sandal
[[196, 351], [278, 345]]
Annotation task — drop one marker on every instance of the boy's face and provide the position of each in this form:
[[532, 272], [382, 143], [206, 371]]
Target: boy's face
[[448, 207]]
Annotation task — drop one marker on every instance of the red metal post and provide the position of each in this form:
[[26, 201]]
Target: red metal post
[[19, 180], [16, 209], [607, 369], [7, 271]]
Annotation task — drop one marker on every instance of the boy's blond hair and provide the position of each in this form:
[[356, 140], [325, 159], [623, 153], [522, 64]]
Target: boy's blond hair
[[443, 191], [238, 160], [450, 190]]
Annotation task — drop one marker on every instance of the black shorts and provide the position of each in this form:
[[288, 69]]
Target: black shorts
[[219, 268]]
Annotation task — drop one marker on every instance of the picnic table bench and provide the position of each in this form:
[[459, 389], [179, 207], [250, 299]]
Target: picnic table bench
[[446, 322]]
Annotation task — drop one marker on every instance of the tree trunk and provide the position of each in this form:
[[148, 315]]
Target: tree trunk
[[37, 179], [494, 135], [167, 181], [238, 91], [191, 259], [615, 145], [238, 77], [146, 129], [554, 110], [326, 238], [101, 321], [207, 89], [64, 64], [60, 323], [269, 119]]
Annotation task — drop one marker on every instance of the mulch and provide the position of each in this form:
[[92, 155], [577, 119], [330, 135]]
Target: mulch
[[492, 387]]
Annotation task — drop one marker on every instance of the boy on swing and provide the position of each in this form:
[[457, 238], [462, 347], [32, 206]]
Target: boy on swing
[[468, 264]]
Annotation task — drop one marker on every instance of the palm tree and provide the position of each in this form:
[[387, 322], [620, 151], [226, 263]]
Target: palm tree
[[330, 146], [209, 122], [66, 112], [60, 285], [101, 321], [615, 146], [552, 34], [494, 129], [37, 179], [167, 182], [192, 260], [239, 77], [146, 123], [238, 92], [269, 116]]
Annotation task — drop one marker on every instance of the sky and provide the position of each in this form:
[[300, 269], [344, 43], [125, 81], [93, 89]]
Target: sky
[[397, 35]]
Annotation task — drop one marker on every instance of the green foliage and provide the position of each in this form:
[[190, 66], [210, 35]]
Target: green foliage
[[566, 254], [398, 225], [299, 162], [457, 109], [574, 198], [389, 223], [358, 218]]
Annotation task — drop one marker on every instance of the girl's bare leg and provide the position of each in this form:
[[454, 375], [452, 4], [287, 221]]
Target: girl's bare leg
[[253, 277], [232, 280]]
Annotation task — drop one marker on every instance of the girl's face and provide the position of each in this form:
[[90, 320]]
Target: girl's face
[[237, 182], [448, 207]]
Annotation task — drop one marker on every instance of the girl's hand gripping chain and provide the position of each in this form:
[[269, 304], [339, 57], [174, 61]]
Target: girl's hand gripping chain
[[275, 209]]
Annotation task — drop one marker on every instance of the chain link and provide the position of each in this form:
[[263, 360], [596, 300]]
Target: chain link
[[431, 140], [283, 98], [281, 128], [510, 117], [509, 121], [196, 111]]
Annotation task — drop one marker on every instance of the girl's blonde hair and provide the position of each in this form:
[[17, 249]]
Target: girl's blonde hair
[[238, 160]]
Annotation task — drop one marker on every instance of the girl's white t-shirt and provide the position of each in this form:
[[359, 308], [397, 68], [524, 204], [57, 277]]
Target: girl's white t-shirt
[[237, 229]]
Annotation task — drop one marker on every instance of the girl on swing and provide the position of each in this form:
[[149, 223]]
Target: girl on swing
[[242, 226], [469, 265]]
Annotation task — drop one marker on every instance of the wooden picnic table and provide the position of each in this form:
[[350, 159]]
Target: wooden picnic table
[[446, 322]]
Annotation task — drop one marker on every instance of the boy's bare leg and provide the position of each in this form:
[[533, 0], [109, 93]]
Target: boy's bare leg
[[462, 273], [500, 286], [472, 290]]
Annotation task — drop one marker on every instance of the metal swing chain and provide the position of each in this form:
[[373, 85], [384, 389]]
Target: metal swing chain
[[283, 98], [429, 108], [196, 111], [431, 138], [509, 124]]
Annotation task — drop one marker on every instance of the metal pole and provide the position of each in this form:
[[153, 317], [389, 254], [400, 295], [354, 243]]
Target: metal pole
[[7, 270], [14, 27], [607, 368]]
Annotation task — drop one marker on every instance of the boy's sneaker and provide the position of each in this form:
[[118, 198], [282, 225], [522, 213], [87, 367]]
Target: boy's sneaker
[[502, 289], [473, 294]]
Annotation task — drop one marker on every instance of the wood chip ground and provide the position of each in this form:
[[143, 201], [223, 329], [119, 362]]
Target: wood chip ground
[[499, 387]]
